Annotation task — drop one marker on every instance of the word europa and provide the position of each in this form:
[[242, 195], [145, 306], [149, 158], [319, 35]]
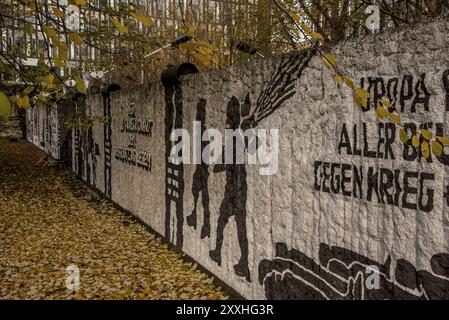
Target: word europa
[[256, 146], [226, 309]]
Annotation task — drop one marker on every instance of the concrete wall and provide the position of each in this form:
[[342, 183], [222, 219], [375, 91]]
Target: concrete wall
[[11, 127], [349, 200], [43, 129]]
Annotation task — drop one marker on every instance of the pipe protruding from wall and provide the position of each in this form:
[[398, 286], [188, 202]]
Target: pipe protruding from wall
[[173, 74], [107, 89]]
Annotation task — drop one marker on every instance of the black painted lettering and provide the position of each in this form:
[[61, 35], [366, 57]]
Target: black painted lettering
[[356, 151], [422, 96], [345, 179], [326, 177], [390, 137], [381, 140], [373, 185], [366, 152], [428, 205], [344, 141], [409, 153], [386, 184], [397, 187], [316, 166], [406, 91], [357, 182], [409, 190], [335, 178]]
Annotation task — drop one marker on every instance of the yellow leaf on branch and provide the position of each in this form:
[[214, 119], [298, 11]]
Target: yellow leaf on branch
[[23, 102], [147, 21], [41, 97], [296, 16], [425, 151], [385, 102], [50, 32], [304, 27], [78, 3], [29, 28], [192, 29], [415, 142], [403, 135], [362, 93], [58, 12], [316, 35], [119, 26], [381, 112], [349, 82], [63, 51], [360, 102], [437, 148], [28, 90], [331, 59], [80, 85], [59, 63], [338, 79], [395, 118], [443, 140], [426, 134], [76, 38], [5, 105], [48, 79]]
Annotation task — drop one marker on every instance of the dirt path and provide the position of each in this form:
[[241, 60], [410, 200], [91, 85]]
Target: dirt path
[[49, 221]]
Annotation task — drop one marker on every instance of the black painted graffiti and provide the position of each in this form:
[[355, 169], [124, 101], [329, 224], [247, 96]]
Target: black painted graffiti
[[234, 202], [174, 173], [341, 274], [86, 150], [107, 146], [78, 145], [411, 95], [92, 151], [280, 89], [281, 86], [387, 186], [446, 88], [408, 93], [133, 127], [200, 180]]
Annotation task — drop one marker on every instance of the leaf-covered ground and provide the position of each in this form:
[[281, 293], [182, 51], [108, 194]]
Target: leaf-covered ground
[[49, 220]]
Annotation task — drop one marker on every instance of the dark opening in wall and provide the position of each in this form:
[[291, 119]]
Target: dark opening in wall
[[172, 75]]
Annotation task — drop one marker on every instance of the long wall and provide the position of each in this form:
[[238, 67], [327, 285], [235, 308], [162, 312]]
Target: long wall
[[43, 129], [11, 127], [345, 200]]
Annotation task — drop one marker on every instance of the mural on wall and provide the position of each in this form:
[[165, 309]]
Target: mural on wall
[[342, 274], [174, 173], [376, 183], [345, 177], [279, 89], [86, 150], [235, 195], [133, 126], [200, 180], [43, 129], [107, 146]]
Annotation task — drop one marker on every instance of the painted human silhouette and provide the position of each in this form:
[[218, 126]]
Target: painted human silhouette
[[234, 201], [279, 89], [200, 179]]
